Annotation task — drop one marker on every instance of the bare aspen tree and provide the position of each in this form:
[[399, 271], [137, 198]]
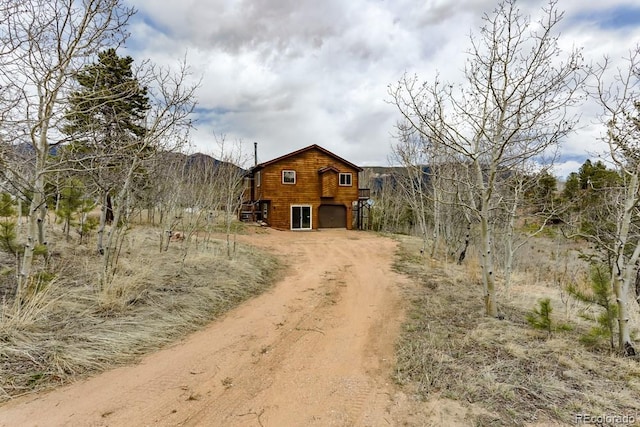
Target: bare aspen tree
[[436, 167], [519, 194], [158, 196], [168, 182], [230, 186], [204, 190], [515, 194], [167, 123], [409, 152], [386, 214], [42, 44], [619, 99], [196, 203], [424, 182], [512, 108]]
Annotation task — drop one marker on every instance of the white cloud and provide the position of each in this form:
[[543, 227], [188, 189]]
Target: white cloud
[[564, 168], [289, 73]]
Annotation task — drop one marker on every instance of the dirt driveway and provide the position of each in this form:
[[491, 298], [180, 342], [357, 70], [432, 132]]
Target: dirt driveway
[[317, 349]]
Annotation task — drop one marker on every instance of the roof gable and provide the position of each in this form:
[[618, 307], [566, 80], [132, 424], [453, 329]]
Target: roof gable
[[329, 168], [302, 150]]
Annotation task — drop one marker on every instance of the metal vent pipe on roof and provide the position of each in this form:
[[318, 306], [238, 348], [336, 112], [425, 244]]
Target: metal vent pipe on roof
[[255, 154]]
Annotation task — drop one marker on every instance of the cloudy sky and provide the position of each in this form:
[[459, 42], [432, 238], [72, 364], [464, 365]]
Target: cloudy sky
[[290, 73]]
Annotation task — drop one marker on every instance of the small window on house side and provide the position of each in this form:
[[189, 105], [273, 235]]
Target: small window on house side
[[258, 178], [288, 177], [345, 179]]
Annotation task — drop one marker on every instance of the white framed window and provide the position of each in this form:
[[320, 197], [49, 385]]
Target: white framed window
[[288, 177], [258, 178], [345, 180]]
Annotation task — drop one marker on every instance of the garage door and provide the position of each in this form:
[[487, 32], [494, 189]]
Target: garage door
[[332, 216]]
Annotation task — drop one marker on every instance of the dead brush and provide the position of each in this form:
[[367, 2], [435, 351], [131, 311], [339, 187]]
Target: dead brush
[[71, 328], [20, 315], [449, 349]]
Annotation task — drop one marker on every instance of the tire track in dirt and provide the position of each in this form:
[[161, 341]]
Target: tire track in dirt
[[315, 350], [299, 334]]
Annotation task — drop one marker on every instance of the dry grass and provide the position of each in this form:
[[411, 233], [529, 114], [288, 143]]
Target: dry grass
[[70, 329], [449, 349]]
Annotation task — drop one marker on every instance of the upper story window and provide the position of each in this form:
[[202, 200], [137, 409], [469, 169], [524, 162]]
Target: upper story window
[[258, 178], [288, 177], [345, 180]]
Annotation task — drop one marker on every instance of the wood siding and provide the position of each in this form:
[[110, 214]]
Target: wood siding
[[329, 183], [308, 189]]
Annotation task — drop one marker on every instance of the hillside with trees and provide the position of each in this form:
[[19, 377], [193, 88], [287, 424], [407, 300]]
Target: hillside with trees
[[526, 301], [102, 212], [489, 146]]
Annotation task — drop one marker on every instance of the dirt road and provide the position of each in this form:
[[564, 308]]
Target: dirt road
[[317, 349]]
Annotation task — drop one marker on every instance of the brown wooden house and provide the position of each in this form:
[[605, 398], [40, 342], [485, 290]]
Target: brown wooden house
[[308, 189]]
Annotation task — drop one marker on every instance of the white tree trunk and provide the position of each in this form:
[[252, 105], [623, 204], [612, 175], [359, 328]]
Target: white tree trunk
[[37, 214], [511, 110], [510, 249], [436, 215], [486, 237], [488, 279], [114, 233], [103, 223], [624, 269]]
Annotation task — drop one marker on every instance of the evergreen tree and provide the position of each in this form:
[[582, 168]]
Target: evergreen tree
[[601, 296], [110, 106], [8, 234], [540, 191], [572, 187], [593, 194], [540, 318], [73, 201], [105, 121]]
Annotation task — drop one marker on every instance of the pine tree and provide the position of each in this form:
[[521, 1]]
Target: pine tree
[[105, 121], [540, 318], [73, 201], [8, 235], [600, 295], [110, 105]]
